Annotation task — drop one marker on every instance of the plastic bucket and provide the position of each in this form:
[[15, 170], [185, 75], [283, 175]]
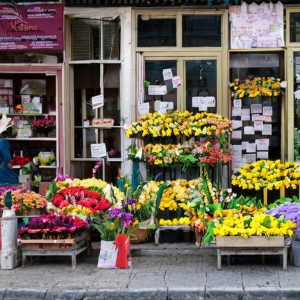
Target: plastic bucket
[[296, 253]]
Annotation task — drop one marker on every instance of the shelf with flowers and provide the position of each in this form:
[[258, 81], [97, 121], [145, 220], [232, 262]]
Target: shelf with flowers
[[44, 126], [25, 202], [267, 175]]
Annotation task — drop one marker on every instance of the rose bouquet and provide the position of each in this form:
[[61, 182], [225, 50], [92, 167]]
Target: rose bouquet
[[45, 122], [53, 226], [78, 195]]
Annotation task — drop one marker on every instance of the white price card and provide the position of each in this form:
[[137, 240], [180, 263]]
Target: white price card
[[236, 134], [250, 158], [256, 108], [262, 144], [236, 124], [245, 114], [251, 148], [267, 111], [97, 101], [237, 103], [258, 125], [249, 130], [98, 150], [167, 74], [157, 90], [263, 154], [236, 112], [144, 108], [267, 129]]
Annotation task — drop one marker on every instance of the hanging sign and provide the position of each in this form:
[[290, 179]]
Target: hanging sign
[[31, 27], [257, 26]]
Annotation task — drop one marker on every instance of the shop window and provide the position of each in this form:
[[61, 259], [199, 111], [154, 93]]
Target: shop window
[[201, 31], [201, 85], [295, 27], [256, 112], [87, 40], [31, 57], [154, 77], [156, 32]]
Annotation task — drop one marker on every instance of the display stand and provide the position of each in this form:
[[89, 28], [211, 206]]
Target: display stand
[[163, 228]]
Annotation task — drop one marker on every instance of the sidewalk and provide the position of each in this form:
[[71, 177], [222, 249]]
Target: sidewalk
[[163, 272]]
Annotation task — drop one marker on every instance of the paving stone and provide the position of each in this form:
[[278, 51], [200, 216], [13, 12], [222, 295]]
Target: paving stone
[[24, 294], [65, 294], [186, 293], [266, 293], [222, 279], [224, 293], [261, 279]]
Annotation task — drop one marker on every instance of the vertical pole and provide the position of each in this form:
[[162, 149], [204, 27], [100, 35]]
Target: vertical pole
[[265, 196], [9, 239]]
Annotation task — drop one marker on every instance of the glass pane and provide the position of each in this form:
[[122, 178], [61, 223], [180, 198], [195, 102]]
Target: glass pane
[[297, 106], [111, 39], [86, 85], [154, 75], [112, 140], [85, 39], [111, 107], [83, 140], [201, 31], [201, 81], [295, 27], [259, 125], [156, 32]]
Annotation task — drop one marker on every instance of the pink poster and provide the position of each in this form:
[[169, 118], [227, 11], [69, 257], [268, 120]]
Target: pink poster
[[31, 27]]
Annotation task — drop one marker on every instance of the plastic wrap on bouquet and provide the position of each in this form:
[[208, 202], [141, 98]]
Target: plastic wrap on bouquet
[[124, 257], [108, 255], [135, 174]]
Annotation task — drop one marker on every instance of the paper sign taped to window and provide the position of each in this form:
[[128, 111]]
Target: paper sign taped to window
[[157, 90], [262, 144], [176, 81], [144, 108], [256, 108], [267, 111], [167, 74], [98, 150], [237, 103], [297, 94], [97, 101], [210, 101]]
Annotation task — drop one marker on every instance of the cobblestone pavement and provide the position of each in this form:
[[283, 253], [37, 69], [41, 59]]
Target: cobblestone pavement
[[161, 274]]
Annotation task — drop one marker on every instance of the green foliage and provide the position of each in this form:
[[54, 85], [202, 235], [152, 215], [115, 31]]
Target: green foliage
[[187, 160], [283, 200], [237, 202], [209, 234]]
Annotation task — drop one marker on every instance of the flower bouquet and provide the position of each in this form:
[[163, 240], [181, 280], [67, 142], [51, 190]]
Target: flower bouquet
[[53, 226], [257, 86], [26, 202], [114, 227], [44, 125]]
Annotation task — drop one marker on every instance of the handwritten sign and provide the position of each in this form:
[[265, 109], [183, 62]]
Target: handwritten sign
[[167, 74], [97, 101], [176, 81], [144, 108], [157, 90], [98, 150]]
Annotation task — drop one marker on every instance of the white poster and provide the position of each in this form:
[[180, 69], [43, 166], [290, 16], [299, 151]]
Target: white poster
[[257, 26], [167, 74], [157, 90], [98, 150]]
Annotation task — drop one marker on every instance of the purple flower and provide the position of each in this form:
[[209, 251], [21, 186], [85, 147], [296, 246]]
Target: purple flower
[[126, 219], [114, 212]]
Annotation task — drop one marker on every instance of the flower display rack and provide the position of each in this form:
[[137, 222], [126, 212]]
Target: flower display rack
[[54, 247], [253, 245]]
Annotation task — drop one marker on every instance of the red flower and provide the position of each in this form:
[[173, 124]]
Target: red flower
[[103, 204]]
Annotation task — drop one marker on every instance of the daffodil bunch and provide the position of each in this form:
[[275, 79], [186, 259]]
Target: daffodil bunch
[[76, 210], [179, 123], [145, 198], [267, 174], [260, 224], [258, 86], [175, 222]]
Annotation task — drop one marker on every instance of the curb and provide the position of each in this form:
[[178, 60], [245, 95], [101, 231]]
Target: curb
[[185, 293]]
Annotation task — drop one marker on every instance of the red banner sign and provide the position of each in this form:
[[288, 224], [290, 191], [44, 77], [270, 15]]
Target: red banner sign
[[31, 27]]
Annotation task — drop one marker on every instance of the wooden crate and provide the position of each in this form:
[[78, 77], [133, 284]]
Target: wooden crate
[[249, 242]]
